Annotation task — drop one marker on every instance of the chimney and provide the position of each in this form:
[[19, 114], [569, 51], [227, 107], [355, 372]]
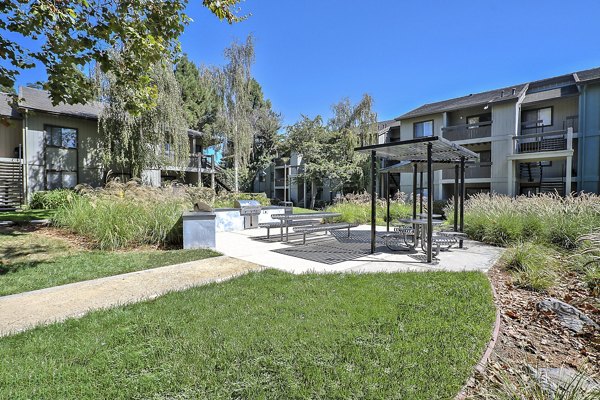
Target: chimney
[[514, 91], [502, 93]]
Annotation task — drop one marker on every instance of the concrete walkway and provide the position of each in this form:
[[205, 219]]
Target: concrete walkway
[[338, 253], [23, 311]]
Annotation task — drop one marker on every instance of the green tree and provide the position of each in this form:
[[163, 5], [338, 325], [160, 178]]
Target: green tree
[[234, 118], [199, 96], [154, 137], [7, 89], [328, 150], [77, 35]]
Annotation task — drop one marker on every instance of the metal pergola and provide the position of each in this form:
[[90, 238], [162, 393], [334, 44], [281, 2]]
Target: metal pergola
[[425, 154]]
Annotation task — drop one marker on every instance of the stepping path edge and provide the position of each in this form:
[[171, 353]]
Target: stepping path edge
[[480, 366], [24, 311]]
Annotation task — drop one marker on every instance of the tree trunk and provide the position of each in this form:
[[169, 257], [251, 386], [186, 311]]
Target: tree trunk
[[313, 194]]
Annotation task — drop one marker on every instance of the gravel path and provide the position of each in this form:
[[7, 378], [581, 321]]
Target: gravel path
[[24, 311]]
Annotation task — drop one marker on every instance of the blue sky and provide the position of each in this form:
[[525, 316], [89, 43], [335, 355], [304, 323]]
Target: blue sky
[[312, 53]]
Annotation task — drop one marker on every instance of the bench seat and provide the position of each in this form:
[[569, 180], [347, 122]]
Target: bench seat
[[281, 224], [323, 228]]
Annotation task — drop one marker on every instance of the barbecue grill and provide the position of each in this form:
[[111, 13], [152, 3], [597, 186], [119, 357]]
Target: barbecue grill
[[249, 209]]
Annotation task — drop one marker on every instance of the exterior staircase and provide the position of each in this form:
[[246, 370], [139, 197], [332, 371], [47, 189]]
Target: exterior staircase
[[11, 184], [534, 172]]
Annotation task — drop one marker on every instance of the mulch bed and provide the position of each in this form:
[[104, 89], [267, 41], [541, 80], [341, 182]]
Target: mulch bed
[[537, 339]]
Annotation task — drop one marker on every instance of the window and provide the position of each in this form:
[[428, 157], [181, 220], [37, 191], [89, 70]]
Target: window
[[423, 129], [537, 118], [471, 121], [477, 119], [57, 136], [60, 157]]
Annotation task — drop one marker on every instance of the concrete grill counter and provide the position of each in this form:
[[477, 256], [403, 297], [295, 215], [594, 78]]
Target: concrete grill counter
[[199, 228]]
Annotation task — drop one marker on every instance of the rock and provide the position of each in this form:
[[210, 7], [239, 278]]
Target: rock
[[568, 315], [202, 206], [560, 381]]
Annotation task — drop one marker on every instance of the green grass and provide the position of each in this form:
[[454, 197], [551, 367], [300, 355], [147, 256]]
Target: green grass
[[266, 335], [533, 266], [26, 215], [29, 261], [298, 210], [112, 222]]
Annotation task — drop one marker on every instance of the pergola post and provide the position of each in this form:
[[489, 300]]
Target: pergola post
[[414, 191], [421, 194], [456, 172], [373, 198], [429, 202], [462, 198], [387, 200]]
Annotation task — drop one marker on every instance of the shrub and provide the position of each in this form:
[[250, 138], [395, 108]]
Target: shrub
[[361, 213], [125, 215], [532, 266], [548, 218], [51, 199], [227, 199]]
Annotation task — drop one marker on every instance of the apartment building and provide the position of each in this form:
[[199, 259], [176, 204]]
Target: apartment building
[[44, 147], [535, 137]]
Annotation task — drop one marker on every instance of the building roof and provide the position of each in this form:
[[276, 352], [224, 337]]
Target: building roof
[[39, 100], [471, 100], [587, 75], [497, 95], [5, 108]]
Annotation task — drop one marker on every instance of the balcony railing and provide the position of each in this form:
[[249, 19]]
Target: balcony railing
[[479, 171], [547, 141], [194, 160], [468, 131]]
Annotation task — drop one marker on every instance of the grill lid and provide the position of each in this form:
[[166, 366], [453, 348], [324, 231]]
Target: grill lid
[[246, 203]]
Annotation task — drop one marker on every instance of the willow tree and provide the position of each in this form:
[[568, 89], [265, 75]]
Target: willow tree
[[235, 116], [151, 138]]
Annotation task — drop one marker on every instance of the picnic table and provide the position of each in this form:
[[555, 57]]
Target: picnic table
[[286, 219], [419, 224]]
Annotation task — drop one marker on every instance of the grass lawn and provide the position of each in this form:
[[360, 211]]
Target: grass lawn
[[29, 261], [266, 335], [299, 210], [25, 215]]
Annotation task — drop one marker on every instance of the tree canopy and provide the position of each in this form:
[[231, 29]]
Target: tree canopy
[[150, 139], [73, 36], [327, 150], [199, 96]]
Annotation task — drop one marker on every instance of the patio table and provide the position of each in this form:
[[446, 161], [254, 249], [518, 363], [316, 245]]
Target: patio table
[[424, 215], [286, 218], [419, 224]]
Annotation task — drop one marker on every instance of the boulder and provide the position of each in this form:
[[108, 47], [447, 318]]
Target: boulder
[[568, 315], [558, 382], [202, 206]]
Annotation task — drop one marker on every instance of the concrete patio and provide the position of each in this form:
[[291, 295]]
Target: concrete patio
[[337, 252]]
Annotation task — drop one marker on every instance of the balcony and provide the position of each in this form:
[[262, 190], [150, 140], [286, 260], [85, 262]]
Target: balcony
[[194, 162], [468, 131], [543, 142], [483, 170]]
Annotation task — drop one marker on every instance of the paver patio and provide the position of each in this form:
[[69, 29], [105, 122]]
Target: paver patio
[[337, 252]]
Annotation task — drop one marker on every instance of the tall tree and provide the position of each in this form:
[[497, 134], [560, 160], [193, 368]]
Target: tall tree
[[327, 155], [199, 95], [328, 150], [235, 116], [75, 35], [154, 137]]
